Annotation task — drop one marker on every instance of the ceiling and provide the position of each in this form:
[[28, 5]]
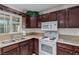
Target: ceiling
[[33, 7]]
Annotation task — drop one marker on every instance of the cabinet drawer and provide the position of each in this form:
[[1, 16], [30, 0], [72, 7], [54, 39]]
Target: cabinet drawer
[[8, 48], [65, 46]]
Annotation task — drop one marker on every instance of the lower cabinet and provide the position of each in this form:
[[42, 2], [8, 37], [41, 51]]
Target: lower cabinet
[[63, 51], [66, 49], [27, 47], [24, 48], [36, 46], [31, 47], [10, 50], [76, 48]]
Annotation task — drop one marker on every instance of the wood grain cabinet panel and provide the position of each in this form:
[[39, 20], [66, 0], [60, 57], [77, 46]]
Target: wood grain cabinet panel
[[45, 17], [52, 16], [11, 50], [64, 49], [31, 46], [36, 46], [73, 17], [24, 48], [76, 50], [61, 17]]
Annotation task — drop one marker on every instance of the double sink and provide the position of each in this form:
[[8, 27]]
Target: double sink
[[11, 40]]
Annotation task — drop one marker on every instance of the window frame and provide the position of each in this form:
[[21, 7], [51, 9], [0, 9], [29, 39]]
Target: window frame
[[11, 14]]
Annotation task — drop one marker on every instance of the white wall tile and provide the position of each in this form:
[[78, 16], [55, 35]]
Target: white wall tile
[[69, 31]]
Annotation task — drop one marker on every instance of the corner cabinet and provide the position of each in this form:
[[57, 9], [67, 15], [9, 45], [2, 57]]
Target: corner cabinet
[[31, 21]]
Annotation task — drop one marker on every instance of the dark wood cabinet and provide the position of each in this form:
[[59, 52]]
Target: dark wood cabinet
[[64, 49], [62, 18], [39, 21], [73, 17], [52, 16], [45, 17], [27, 47], [27, 21], [36, 46], [31, 21], [76, 49], [10, 50], [31, 47], [24, 48]]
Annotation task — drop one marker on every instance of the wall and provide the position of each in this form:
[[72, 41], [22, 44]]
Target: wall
[[69, 31], [59, 7], [33, 30]]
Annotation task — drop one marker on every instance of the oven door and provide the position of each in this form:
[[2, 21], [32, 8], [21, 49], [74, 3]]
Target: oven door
[[47, 48]]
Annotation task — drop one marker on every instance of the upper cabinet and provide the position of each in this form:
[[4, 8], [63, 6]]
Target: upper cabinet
[[73, 17], [45, 17], [61, 17], [30, 21], [67, 18], [33, 21], [52, 16]]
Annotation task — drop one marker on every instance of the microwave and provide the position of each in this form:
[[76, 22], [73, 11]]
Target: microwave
[[49, 26]]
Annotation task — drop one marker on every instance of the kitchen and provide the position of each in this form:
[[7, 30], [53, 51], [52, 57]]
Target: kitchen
[[49, 29]]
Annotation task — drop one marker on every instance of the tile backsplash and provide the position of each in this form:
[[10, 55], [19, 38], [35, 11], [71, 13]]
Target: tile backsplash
[[69, 31], [34, 30], [69, 38]]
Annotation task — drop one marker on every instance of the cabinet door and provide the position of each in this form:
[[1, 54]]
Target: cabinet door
[[45, 17], [27, 21], [52, 16], [39, 21], [33, 21], [31, 47], [63, 51], [61, 17], [74, 17], [36, 46], [24, 50], [12, 52], [76, 50]]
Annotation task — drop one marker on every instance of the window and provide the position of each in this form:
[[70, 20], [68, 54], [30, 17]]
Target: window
[[9, 22]]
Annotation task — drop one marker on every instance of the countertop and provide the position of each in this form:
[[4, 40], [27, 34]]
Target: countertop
[[19, 40], [71, 40]]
